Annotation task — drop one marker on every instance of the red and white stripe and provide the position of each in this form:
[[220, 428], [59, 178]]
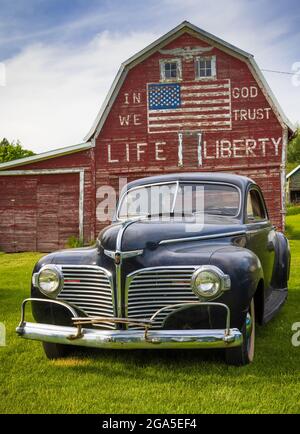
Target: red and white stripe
[[204, 106]]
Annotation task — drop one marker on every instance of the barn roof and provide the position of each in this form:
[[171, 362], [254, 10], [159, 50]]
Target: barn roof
[[184, 27], [292, 172], [46, 155]]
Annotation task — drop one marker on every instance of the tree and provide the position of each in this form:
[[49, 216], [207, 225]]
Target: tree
[[12, 151], [293, 152]]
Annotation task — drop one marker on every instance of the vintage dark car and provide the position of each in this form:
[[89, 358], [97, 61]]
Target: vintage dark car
[[190, 261]]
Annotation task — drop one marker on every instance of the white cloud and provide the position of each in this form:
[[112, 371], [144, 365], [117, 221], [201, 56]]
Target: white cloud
[[54, 90], [53, 94]]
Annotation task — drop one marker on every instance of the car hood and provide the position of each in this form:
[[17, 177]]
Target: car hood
[[149, 233]]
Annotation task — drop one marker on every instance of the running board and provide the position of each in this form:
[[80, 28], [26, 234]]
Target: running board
[[274, 303]]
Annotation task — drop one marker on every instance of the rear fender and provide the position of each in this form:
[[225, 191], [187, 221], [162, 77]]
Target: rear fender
[[281, 270]]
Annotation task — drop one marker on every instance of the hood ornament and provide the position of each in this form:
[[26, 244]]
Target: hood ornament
[[118, 256]]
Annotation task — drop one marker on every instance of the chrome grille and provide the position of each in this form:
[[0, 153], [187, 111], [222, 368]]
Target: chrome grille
[[89, 288], [151, 289]]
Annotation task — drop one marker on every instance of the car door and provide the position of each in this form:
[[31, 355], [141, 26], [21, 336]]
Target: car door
[[260, 233]]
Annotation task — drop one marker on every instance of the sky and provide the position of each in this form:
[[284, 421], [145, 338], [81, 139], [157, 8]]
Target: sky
[[58, 58]]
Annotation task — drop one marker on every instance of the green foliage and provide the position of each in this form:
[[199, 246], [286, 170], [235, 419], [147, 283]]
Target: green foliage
[[74, 242], [293, 151], [291, 166], [12, 151], [292, 209], [292, 227]]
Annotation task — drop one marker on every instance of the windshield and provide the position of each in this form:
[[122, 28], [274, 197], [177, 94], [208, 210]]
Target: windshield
[[179, 199]]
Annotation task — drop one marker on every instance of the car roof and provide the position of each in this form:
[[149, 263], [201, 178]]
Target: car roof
[[240, 181]]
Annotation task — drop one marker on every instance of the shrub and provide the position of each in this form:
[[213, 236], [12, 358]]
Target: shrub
[[292, 210], [74, 242]]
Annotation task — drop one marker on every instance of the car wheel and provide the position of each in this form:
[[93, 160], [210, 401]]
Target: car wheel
[[244, 354], [56, 351]]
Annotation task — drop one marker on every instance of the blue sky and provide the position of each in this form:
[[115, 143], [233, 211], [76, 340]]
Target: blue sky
[[61, 56]]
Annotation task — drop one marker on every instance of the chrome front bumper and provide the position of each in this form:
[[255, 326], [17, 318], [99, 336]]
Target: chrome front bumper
[[127, 339]]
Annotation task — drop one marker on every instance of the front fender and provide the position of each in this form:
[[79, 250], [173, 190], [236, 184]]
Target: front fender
[[245, 271], [53, 314]]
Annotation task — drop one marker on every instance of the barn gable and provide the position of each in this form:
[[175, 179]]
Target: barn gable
[[185, 27]]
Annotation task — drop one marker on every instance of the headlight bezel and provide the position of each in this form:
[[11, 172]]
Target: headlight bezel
[[60, 280], [222, 278]]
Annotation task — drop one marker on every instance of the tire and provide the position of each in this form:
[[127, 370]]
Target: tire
[[244, 354], [56, 351]]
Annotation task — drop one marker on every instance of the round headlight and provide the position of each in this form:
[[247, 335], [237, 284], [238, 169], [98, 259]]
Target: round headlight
[[50, 280], [208, 282]]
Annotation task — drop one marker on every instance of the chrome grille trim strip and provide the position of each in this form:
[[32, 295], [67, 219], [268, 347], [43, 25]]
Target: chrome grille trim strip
[[90, 289], [150, 289]]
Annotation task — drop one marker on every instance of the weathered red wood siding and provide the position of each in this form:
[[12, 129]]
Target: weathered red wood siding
[[252, 146], [37, 212], [78, 160], [40, 212]]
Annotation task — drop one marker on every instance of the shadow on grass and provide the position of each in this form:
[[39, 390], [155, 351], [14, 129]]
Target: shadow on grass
[[272, 344], [165, 358]]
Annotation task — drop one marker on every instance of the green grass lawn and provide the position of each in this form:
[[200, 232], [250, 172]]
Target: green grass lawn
[[147, 381]]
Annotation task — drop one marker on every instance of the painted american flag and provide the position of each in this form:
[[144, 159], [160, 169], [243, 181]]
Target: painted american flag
[[201, 106]]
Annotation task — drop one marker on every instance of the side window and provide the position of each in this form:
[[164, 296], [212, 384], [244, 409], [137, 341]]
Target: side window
[[170, 69], [255, 207], [205, 67]]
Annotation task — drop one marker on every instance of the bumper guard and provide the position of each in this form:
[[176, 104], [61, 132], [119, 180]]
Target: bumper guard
[[128, 339]]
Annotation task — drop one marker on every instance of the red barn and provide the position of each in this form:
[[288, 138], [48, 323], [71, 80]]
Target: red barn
[[187, 102]]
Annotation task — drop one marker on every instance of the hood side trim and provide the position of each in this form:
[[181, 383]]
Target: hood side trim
[[202, 237]]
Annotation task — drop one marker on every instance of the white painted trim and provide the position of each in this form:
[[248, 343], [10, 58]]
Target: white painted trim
[[213, 75], [180, 149], [292, 172], [57, 172], [46, 155], [285, 138], [162, 70], [81, 203], [162, 41], [39, 171], [199, 149], [271, 98]]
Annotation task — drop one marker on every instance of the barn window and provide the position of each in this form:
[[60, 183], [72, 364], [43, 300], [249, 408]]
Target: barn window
[[170, 69], [205, 67]]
